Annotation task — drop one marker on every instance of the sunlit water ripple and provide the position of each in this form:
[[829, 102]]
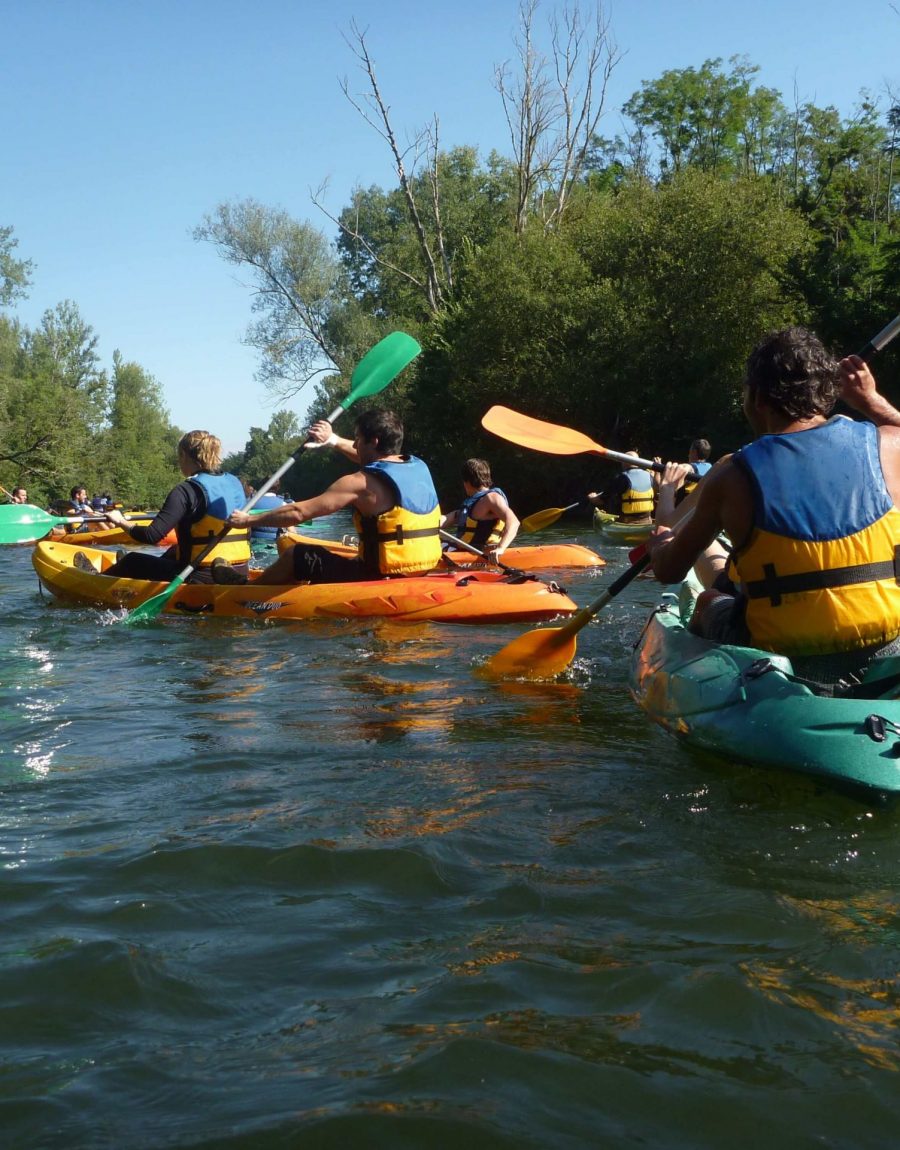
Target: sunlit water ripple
[[270, 885]]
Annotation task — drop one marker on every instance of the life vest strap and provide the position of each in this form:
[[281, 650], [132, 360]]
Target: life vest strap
[[773, 586], [400, 534]]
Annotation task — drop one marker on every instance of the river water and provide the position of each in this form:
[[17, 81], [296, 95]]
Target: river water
[[317, 885]]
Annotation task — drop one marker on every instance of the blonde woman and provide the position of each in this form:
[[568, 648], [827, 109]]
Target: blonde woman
[[197, 509]]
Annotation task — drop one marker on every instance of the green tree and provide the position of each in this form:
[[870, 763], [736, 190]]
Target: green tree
[[138, 447], [297, 284], [15, 275]]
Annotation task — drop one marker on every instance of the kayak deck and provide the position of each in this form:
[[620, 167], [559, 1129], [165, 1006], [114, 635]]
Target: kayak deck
[[744, 704], [542, 557], [482, 597]]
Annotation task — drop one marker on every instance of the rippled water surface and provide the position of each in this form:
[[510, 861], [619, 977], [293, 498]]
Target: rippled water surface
[[315, 884]]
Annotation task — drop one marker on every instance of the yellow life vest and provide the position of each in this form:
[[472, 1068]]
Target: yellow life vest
[[637, 500], [820, 571], [404, 540]]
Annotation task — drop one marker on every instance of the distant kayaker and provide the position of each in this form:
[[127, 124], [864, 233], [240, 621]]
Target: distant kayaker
[[19, 495], [628, 495], [811, 507], [197, 510], [395, 507], [267, 502], [698, 457], [484, 518], [78, 504]]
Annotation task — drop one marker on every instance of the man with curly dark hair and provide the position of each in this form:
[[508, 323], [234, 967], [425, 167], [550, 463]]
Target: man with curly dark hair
[[812, 507]]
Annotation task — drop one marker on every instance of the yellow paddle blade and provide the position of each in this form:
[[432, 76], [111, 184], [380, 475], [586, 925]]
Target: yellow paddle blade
[[539, 654], [532, 523]]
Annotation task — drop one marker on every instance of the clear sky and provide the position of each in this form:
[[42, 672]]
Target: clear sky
[[127, 120]]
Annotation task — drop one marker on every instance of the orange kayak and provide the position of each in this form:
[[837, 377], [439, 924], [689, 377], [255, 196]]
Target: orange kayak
[[543, 557], [452, 597]]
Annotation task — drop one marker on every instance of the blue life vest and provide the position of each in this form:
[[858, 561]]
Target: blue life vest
[[638, 500], [478, 531], [699, 469]]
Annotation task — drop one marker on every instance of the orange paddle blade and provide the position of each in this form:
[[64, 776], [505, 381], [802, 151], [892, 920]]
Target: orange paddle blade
[[537, 434], [540, 654]]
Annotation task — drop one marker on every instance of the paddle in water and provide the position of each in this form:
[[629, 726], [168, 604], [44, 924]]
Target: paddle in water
[[546, 652], [378, 367]]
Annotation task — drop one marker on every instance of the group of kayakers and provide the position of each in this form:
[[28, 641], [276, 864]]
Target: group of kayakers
[[631, 494], [392, 496], [810, 509]]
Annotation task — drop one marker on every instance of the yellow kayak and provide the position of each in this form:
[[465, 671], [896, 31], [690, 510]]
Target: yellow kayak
[[543, 557], [452, 597], [107, 537]]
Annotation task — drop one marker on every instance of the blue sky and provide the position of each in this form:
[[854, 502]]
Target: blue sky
[[127, 120]]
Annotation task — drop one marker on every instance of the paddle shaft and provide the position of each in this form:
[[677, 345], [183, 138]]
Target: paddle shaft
[[884, 337], [448, 538], [584, 616]]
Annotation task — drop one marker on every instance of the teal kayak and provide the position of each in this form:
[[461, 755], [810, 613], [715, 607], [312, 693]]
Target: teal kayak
[[747, 705]]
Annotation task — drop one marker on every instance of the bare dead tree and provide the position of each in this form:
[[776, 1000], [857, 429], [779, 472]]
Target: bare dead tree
[[553, 105], [376, 113], [530, 110]]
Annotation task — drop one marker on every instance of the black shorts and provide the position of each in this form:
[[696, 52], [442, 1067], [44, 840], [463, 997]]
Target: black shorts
[[315, 564], [162, 568]]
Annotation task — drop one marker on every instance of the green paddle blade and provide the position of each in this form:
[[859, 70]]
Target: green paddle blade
[[22, 523], [150, 608], [380, 365]]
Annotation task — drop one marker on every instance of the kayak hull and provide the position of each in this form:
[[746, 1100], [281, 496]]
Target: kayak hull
[[484, 597], [626, 534], [543, 557], [740, 704]]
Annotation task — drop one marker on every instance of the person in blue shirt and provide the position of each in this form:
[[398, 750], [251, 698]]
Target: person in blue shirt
[[698, 459], [396, 512], [268, 502]]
